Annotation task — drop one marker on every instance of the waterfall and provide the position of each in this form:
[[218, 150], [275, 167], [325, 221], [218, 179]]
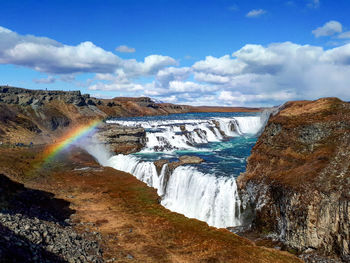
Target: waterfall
[[203, 196], [170, 135], [187, 190]]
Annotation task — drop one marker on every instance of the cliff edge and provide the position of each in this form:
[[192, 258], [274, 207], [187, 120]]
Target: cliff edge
[[298, 179]]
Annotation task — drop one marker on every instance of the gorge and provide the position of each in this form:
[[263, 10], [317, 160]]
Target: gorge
[[205, 191], [291, 176]]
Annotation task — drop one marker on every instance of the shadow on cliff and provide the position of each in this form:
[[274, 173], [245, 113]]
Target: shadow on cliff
[[15, 198]]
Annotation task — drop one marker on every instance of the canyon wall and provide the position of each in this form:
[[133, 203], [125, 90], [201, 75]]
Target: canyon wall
[[40, 116], [298, 179]]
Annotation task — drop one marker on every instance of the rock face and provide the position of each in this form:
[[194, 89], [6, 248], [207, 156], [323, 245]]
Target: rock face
[[25, 97], [298, 177], [185, 159], [121, 139], [40, 115]]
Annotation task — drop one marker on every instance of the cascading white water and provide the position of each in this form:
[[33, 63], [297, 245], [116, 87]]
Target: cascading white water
[[196, 195], [207, 197], [167, 135]]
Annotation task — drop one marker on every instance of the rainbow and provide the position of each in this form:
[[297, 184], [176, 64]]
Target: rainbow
[[69, 139]]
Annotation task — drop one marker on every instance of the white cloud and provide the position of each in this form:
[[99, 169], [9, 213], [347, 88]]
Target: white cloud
[[125, 49], [211, 78], [166, 75], [253, 75], [255, 13], [188, 87], [278, 72], [344, 35], [151, 65], [4, 30], [337, 56], [49, 56], [328, 29], [220, 66], [170, 99]]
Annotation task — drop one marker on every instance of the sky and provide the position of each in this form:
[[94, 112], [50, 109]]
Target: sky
[[207, 52]]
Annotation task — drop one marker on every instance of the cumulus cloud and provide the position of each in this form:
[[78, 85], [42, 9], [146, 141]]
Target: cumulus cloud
[[328, 29], [220, 66], [278, 72], [125, 49], [166, 75], [255, 13], [49, 56], [254, 75], [151, 65]]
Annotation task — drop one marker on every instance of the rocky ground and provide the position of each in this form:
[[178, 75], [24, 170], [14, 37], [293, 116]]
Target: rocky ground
[[297, 179], [35, 227], [25, 239]]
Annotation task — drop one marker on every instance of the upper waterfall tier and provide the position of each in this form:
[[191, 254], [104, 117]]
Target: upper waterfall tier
[[186, 134]]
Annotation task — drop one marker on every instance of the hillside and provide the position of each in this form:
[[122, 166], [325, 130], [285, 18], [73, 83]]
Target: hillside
[[298, 178]]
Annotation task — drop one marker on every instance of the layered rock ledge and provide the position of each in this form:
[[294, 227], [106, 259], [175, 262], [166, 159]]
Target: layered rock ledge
[[121, 139], [298, 179]]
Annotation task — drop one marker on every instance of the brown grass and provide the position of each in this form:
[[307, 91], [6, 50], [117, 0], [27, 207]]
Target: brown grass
[[128, 213]]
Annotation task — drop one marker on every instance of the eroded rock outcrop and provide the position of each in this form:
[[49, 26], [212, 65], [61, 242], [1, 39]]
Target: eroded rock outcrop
[[298, 177], [185, 159], [121, 139]]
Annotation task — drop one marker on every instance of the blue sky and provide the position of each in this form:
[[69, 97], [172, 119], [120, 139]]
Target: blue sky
[[223, 52]]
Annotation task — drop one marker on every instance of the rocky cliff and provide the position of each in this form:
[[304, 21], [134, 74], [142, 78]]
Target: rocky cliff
[[41, 115], [298, 179]]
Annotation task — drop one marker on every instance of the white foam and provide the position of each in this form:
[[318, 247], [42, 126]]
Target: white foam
[[188, 191], [169, 135], [203, 196]]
